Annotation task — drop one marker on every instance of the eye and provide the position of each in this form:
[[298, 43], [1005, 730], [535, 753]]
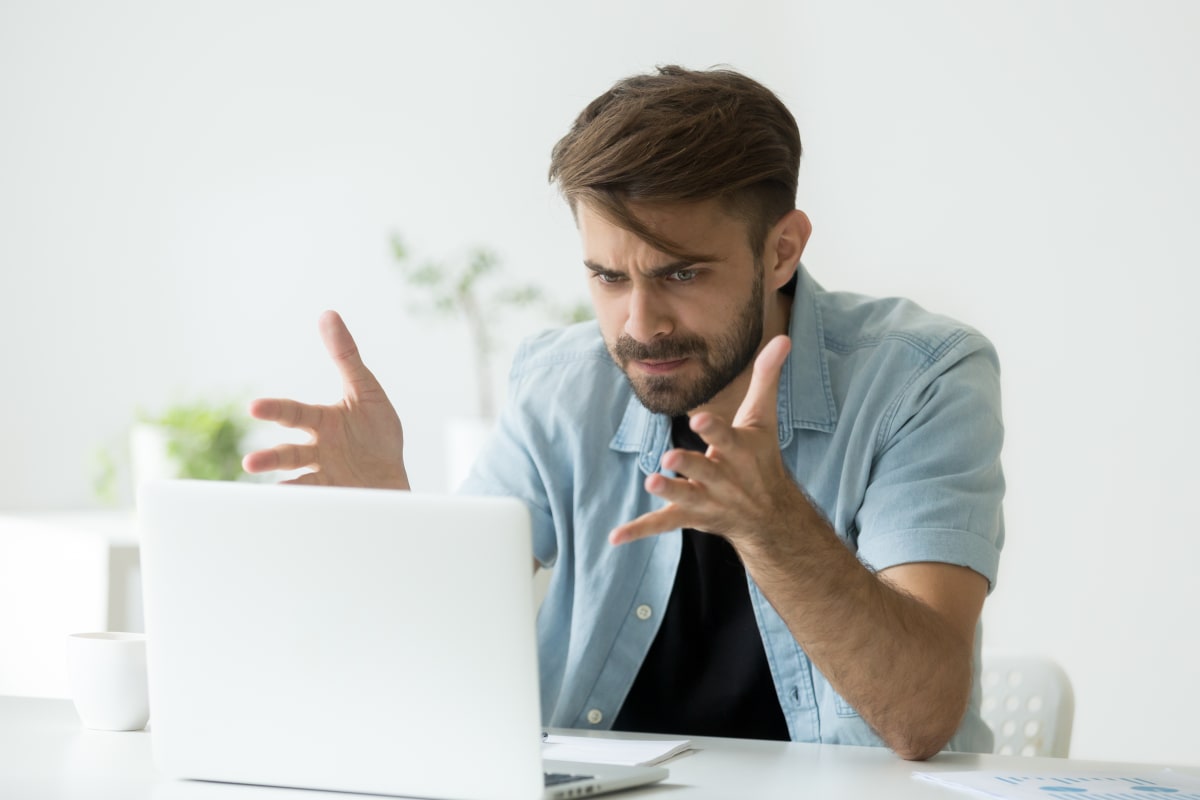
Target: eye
[[608, 277], [684, 275]]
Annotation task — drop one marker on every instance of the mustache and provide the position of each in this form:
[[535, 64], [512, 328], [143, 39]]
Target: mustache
[[626, 348]]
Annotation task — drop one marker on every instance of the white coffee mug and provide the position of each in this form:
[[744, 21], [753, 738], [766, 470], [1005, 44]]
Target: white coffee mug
[[108, 680]]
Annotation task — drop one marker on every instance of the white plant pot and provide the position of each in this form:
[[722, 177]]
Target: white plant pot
[[465, 437], [148, 455]]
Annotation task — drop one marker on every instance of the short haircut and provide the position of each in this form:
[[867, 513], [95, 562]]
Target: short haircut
[[678, 136]]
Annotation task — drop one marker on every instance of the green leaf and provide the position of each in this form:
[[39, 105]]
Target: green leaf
[[580, 312], [399, 251], [428, 274], [482, 262], [521, 296], [104, 481]]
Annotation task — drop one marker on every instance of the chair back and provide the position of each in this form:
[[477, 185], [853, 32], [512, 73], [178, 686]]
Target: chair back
[[1028, 704]]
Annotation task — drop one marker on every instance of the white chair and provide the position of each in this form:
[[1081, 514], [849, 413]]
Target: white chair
[[1028, 704]]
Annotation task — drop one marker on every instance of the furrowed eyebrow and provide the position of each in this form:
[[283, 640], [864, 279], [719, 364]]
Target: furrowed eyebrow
[[657, 272], [669, 269], [599, 270]]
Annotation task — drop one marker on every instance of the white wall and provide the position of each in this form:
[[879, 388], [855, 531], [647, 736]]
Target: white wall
[[1032, 168], [183, 188]]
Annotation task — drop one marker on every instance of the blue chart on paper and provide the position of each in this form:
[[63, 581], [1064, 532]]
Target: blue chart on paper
[[1101, 787], [1084, 786]]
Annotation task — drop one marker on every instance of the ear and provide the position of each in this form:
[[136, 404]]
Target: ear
[[785, 245]]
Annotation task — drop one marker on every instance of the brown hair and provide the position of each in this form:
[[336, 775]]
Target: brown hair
[[680, 135]]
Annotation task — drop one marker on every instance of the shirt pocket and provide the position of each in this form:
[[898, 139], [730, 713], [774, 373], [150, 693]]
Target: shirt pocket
[[841, 707]]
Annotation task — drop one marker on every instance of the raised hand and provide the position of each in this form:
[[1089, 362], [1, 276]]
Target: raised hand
[[739, 487], [357, 441]]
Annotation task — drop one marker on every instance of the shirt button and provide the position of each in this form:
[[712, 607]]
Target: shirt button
[[595, 717], [643, 611]]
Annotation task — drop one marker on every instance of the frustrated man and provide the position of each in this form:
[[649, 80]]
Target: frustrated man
[[772, 511]]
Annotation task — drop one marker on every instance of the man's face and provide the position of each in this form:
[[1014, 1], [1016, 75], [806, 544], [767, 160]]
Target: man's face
[[680, 331]]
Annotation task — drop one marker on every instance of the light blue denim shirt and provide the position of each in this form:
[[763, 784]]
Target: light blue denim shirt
[[889, 417]]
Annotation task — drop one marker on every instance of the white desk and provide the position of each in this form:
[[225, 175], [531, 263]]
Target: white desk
[[45, 753]]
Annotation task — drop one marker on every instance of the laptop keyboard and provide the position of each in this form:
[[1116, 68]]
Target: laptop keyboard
[[559, 778]]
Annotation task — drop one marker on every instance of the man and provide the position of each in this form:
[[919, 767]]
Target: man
[[773, 511]]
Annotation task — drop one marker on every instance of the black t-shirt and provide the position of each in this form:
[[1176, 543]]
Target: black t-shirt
[[706, 673]]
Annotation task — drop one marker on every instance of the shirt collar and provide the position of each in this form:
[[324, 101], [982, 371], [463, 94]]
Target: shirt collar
[[806, 396], [805, 392]]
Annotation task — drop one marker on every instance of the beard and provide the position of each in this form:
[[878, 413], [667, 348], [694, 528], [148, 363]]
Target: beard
[[721, 359]]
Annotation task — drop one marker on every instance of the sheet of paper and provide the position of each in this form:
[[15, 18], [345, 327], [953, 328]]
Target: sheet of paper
[[1070, 785], [630, 752]]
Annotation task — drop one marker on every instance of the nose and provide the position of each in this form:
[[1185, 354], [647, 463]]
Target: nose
[[648, 316]]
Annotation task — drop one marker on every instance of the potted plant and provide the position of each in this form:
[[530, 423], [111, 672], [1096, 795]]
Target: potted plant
[[468, 289], [195, 440]]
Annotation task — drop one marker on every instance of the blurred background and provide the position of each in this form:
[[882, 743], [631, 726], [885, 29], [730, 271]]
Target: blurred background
[[185, 186]]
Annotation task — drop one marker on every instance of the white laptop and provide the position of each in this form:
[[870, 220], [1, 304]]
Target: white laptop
[[351, 640]]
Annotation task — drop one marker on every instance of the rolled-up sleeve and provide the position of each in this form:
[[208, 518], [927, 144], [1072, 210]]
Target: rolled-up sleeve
[[936, 486]]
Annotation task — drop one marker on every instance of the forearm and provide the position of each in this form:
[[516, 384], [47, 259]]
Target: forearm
[[897, 661]]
